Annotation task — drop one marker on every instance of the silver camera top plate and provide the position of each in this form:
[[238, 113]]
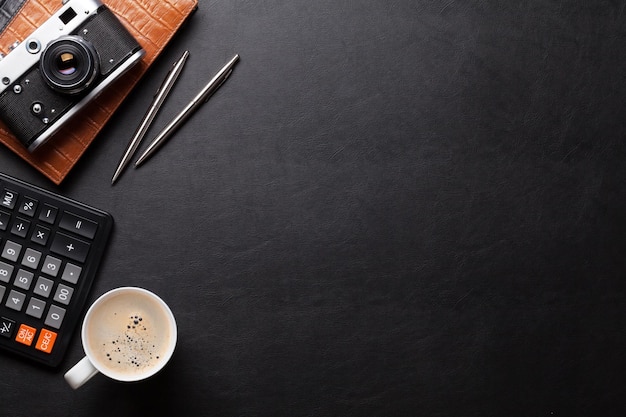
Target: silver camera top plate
[[24, 55]]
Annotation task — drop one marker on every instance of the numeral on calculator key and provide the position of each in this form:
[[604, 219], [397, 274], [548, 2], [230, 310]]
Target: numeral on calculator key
[[35, 307], [31, 258], [15, 300], [6, 271], [55, 316], [63, 294], [11, 251], [51, 266], [23, 279], [43, 287]]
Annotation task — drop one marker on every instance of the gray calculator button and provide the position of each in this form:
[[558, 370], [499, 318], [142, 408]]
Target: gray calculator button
[[15, 300], [55, 316], [2, 291], [31, 258], [11, 251], [6, 271], [71, 273], [51, 266], [43, 287], [23, 279], [63, 294], [35, 307]]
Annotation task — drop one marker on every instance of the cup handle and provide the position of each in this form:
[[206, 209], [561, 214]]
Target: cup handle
[[80, 373]]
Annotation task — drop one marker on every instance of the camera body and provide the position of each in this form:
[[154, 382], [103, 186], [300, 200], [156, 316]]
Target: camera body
[[61, 67]]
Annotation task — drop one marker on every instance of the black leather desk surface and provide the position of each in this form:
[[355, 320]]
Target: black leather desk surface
[[392, 208]]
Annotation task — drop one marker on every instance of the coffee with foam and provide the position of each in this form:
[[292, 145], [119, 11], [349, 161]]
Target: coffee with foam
[[128, 335]]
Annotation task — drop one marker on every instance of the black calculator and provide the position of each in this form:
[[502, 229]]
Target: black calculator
[[50, 249]]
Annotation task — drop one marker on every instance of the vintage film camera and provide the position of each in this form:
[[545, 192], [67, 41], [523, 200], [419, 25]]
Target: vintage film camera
[[61, 67]]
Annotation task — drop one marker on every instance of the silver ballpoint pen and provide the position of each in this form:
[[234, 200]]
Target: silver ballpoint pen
[[194, 105], [157, 102]]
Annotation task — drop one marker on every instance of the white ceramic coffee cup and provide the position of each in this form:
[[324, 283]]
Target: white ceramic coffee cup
[[128, 334]]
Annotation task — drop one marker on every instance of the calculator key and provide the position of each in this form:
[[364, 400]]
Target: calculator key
[[48, 214], [3, 289], [28, 206], [4, 220], [74, 249], [20, 227], [63, 294], [9, 198], [46, 340], [23, 279], [6, 271], [71, 273], [43, 287], [15, 300], [11, 251], [35, 307], [55, 316], [76, 224], [25, 335], [40, 235], [6, 327], [51, 266], [31, 258]]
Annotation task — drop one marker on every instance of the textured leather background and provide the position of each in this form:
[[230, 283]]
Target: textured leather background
[[391, 208], [152, 23], [8, 9]]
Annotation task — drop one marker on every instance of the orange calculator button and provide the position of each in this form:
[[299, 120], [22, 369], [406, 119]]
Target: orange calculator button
[[45, 343], [25, 335]]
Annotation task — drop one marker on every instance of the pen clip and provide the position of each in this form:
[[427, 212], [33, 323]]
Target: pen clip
[[223, 80], [176, 67]]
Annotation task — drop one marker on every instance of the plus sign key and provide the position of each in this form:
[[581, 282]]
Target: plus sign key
[[70, 247]]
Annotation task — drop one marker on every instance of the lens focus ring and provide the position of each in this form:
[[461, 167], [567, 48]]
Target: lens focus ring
[[69, 64]]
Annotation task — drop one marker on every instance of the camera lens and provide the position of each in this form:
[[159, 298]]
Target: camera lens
[[69, 64], [66, 63]]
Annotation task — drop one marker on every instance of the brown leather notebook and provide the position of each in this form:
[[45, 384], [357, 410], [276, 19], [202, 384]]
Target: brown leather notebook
[[152, 22]]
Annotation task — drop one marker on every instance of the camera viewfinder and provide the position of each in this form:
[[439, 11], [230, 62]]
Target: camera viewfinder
[[67, 16]]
